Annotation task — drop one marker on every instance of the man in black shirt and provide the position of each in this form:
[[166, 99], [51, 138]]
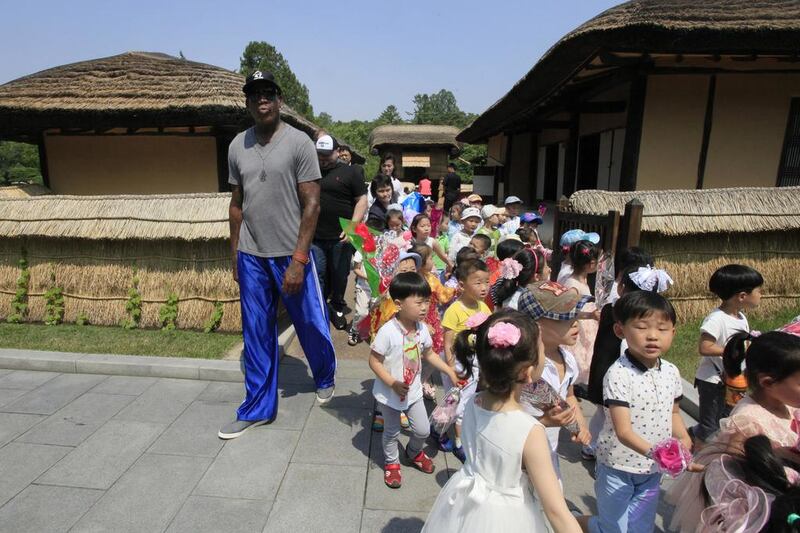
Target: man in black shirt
[[343, 194], [452, 187]]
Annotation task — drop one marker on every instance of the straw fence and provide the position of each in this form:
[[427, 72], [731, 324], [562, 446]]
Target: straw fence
[[96, 275], [95, 245]]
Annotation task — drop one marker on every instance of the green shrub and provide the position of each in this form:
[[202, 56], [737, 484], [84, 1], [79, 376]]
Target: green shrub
[[134, 304], [168, 312], [19, 305], [54, 306], [215, 319], [83, 319]]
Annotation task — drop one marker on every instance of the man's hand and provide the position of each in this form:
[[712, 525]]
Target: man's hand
[[557, 417], [235, 270], [293, 277], [343, 237], [400, 388]]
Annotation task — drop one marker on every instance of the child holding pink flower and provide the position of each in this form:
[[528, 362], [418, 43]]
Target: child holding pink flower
[[641, 392]]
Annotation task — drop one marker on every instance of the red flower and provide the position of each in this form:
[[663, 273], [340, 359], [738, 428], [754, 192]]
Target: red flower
[[369, 244], [362, 231]]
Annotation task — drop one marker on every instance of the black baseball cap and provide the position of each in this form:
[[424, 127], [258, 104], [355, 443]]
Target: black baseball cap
[[260, 77]]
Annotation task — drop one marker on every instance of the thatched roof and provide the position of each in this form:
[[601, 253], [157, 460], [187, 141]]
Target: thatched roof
[[414, 135], [168, 216], [134, 89], [668, 26], [686, 212], [23, 190]]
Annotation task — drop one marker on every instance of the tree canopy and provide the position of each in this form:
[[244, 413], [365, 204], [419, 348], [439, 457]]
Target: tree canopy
[[439, 108], [260, 55], [19, 162]]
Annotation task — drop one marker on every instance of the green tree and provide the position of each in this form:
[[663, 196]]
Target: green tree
[[439, 108], [390, 115], [19, 162], [260, 55], [324, 120]]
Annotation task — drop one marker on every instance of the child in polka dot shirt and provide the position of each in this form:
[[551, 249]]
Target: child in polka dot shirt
[[641, 392]]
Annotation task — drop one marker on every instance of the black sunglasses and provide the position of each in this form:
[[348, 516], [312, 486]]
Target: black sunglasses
[[269, 94]]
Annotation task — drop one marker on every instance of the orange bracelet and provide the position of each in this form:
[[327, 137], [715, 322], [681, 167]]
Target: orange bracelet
[[301, 257]]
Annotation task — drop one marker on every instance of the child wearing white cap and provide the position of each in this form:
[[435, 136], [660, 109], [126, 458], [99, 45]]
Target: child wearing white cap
[[513, 206], [470, 219], [491, 219]]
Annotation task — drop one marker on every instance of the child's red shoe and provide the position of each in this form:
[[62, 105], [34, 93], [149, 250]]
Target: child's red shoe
[[423, 462], [392, 476]]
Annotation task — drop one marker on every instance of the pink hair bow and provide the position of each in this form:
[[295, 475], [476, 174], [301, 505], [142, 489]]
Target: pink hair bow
[[510, 268], [476, 320], [647, 278], [503, 335], [736, 505]]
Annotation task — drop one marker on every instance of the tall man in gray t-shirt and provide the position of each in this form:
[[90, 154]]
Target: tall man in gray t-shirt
[[275, 176]]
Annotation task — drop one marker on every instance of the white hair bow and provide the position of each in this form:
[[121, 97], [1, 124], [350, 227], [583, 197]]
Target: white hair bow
[[647, 278]]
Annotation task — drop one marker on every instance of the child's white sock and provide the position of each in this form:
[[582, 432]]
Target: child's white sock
[[458, 442]]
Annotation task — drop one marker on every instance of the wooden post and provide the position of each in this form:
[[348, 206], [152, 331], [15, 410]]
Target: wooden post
[[701, 164], [633, 133], [533, 168], [222, 143], [44, 169], [612, 233], [555, 264], [571, 156], [631, 224]]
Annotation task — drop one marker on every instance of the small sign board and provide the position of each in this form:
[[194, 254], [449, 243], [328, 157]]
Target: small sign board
[[417, 160]]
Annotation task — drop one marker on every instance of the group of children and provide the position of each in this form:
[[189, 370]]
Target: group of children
[[489, 320]]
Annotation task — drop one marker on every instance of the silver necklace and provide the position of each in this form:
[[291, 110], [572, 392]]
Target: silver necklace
[[268, 148]]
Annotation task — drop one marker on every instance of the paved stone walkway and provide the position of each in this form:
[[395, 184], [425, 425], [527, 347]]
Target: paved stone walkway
[[83, 452]]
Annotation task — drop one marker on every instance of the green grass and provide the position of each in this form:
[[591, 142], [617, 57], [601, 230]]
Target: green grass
[[684, 348], [116, 340]]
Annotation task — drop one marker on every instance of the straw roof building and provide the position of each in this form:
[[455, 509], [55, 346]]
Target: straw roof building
[[655, 94], [691, 233], [420, 149], [134, 123]]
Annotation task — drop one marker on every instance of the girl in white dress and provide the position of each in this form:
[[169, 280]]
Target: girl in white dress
[[507, 482]]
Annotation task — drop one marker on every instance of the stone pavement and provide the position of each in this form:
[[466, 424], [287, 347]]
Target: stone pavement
[[81, 452]]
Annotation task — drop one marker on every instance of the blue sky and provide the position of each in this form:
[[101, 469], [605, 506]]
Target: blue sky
[[356, 57]]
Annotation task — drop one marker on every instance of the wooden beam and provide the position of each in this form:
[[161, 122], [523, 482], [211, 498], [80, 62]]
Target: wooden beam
[[617, 106], [701, 163], [633, 134], [611, 59]]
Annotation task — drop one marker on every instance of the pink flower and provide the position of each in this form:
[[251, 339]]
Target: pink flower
[[503, 335], [671, 456], [407, 235], [510, 268], [476, 320]]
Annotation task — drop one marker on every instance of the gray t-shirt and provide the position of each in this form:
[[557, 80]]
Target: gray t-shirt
[[269, 176]]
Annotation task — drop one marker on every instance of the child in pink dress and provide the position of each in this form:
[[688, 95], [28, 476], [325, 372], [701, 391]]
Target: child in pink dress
[[583, 257], [773, 371]]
